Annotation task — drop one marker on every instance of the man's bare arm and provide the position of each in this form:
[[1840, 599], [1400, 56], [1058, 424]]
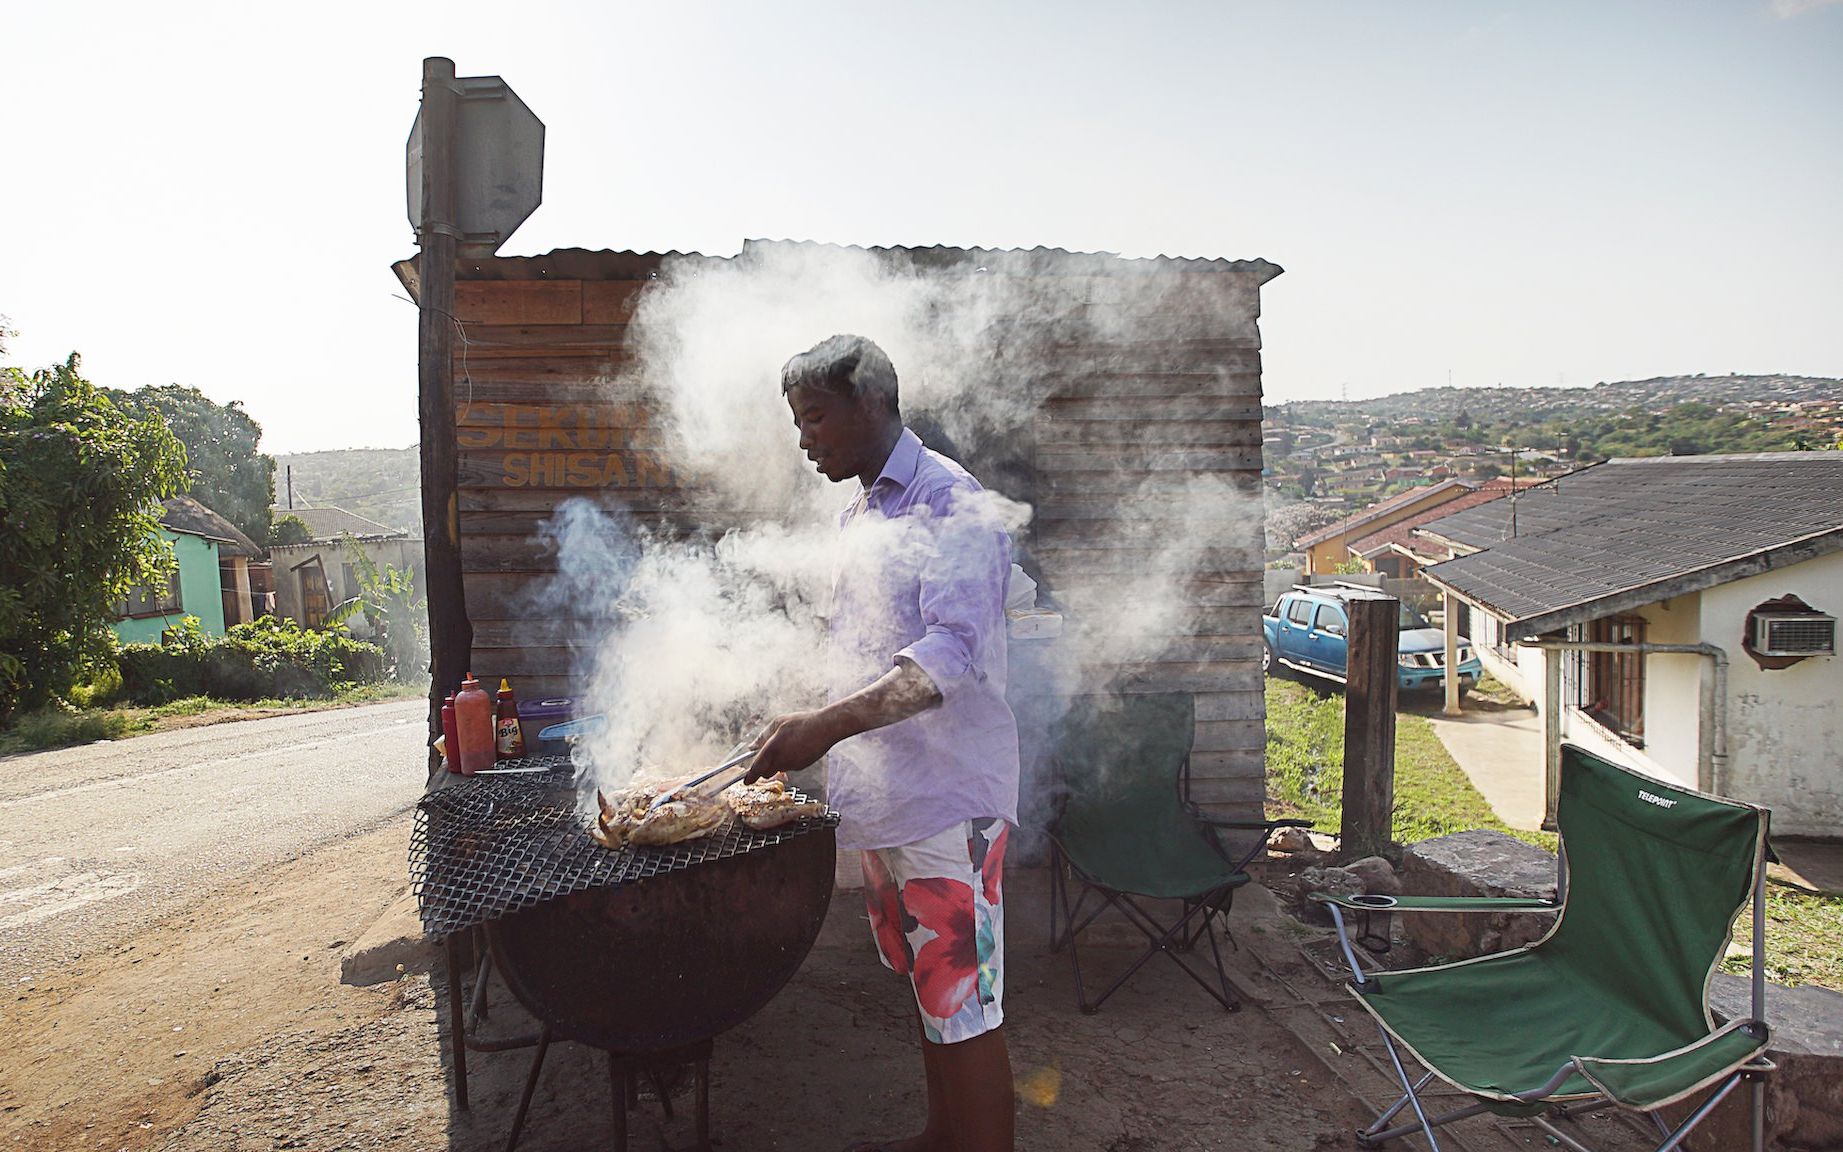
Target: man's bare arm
[[798, 739]]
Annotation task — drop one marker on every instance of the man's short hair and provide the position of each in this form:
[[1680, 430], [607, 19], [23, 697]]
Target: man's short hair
[[846, 365]]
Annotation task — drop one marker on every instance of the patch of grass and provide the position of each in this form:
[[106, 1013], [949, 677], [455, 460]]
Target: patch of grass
[[1305, 770], [1496, 691], [1804, 939], [66, 726], [57, 728]]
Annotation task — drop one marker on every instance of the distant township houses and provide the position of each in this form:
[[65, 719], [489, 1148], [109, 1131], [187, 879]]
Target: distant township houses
[[223, 578]]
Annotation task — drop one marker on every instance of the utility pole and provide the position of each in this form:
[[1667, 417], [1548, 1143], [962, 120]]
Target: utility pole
[[451, 635]]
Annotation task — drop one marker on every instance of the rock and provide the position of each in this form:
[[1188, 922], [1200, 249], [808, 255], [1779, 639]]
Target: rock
[[1376, 875], [1291, 840], [1480, 862], [1333, 881], [1804, 1096], [391, 946]]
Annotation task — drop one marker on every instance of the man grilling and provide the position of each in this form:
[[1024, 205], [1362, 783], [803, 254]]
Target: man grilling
[[924, 752]]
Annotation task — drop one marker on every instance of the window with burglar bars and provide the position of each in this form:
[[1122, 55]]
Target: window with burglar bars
[[1611, 685]]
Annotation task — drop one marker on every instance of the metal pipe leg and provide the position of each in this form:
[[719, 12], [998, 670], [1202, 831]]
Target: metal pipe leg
[[1413, 1099], [531, 1085], [457, 1020], [617, 1092], [703, 1105], [1759, 1111], [477, 1006], [1560, 1137], [1696, 1117], [1377, 1124]]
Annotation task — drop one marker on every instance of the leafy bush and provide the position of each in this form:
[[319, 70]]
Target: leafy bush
[[80, 486], [255, 661]]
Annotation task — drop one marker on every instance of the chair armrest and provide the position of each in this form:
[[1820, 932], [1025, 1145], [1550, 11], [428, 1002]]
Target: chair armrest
[[1361, 903], [1663, 1079]]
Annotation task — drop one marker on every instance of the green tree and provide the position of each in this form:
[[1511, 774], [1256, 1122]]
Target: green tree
[[230, 474], [289, 529], [80, 486]]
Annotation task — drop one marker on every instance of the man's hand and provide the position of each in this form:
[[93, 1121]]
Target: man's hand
[[790, 743], [798, 739]]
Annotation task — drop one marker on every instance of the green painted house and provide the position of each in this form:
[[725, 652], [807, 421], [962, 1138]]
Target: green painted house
[[212, 581]]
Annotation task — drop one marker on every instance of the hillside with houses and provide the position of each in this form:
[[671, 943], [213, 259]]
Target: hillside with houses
[[1338, 457]]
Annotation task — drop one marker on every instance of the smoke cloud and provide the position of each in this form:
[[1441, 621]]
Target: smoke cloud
[[710, 633]]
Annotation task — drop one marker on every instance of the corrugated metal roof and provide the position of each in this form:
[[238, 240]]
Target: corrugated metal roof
[[1627, 532], [605, 264]]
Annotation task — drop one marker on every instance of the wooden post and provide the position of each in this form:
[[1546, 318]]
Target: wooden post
[[1371, 682], [451, 636]]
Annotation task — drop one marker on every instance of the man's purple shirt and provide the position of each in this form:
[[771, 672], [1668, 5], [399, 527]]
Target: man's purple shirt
[[921, 576]]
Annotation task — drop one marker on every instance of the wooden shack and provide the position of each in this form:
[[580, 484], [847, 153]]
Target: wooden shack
[[1160, 385]]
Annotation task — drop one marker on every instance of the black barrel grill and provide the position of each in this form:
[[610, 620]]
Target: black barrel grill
[[644, 953]]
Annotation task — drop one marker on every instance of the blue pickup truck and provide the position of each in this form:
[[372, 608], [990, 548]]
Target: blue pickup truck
[[1306, 629]]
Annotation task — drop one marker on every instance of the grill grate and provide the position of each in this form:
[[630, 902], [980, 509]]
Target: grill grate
[[485, 847]]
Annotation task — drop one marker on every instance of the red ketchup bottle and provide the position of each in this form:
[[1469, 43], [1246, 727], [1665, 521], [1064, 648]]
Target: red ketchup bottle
[[473, 721], [508, 734], [451, 739]]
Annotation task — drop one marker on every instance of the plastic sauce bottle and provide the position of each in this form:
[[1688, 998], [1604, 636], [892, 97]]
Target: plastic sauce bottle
[[473, 721], [508, 734], [451, 739]]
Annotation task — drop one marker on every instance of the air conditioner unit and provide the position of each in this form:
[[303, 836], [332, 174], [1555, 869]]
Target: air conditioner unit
[[1794, 634]]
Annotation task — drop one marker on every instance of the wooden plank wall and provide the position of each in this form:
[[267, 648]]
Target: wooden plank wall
[[1115, 450], [540, 419]]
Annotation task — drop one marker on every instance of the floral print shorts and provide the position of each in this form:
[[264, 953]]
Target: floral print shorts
[[937, 911]]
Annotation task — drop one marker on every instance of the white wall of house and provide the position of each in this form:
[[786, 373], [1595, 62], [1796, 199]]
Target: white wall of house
[[1673, 690], [1518, 668], [1785, 725]]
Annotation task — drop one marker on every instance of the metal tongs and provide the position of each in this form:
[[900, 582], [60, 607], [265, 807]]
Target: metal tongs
[[670, 793]]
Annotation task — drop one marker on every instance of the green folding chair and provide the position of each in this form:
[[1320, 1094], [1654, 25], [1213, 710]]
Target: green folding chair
[[1611, 1007], [1127, 838]]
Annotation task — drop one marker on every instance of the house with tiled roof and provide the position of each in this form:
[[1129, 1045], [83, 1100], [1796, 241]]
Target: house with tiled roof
[[1677, 614], [1399, 551]]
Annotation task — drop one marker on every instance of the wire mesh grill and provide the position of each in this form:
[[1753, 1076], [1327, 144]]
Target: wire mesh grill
[[488, 846]]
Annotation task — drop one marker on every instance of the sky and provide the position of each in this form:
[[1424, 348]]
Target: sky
[[1483, 192]]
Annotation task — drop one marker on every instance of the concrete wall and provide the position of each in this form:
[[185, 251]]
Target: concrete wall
[[335, 556], [1518, 668], [1785, 725], [199, 593]]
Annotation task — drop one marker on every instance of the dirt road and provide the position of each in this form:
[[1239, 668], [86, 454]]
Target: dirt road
[[99, 841]]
